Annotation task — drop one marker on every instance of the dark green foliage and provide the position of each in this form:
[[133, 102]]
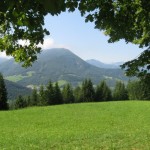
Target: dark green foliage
[[20, 102], [42, 96], [140, 66], [67, 94], [103, 92], [146, 84], [28, 100], [120, 91], [3, 94], [50, 93], [88, 93], [77, 94], [135, 90], [53, 94], [139, 90], [58, 99], [26, 20], [98, 93], [34, 97]]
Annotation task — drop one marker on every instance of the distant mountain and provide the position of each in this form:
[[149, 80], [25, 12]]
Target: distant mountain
[[103, 65], [15, 90], [58, 65]]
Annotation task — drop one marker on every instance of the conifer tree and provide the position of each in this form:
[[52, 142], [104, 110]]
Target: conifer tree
[[98, 93], [120, 91], [34, 97], [3, 94], [49, 94], [67, 94], [88, 93], [42, 96], [57, 94], [20, 102], [105, 92], [28, 100], [77, 94]]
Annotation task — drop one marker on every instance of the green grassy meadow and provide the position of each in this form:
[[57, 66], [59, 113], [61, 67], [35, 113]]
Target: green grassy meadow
[[94, 126]]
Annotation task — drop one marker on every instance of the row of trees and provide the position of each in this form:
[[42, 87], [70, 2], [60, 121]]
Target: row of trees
[[87, 92]]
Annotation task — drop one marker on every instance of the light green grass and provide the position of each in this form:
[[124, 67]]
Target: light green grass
[[61, 82], [93, 126], [16, 78]]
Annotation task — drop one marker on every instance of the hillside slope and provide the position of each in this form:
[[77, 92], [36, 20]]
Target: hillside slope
[[15, 90], [58, 64]]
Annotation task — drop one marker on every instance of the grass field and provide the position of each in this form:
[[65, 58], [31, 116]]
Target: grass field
[[16, 78], [93, 126]]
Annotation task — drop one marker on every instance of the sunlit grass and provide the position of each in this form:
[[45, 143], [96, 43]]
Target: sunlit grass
[[110, 125], [16, 78]]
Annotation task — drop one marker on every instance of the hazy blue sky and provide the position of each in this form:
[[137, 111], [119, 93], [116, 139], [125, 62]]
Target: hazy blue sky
[[69, 30]]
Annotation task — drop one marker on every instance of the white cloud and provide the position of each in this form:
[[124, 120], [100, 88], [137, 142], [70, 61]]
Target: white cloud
[[23, 42], [62, 46], [3, 55], [48, 43]]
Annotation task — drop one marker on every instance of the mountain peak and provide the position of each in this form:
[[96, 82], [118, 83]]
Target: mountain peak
[[58, 64], [100, 64]]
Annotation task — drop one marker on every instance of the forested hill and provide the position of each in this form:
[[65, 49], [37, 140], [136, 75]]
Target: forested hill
[[15, 90], [58, 65]]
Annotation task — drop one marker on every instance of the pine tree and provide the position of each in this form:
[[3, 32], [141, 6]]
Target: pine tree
[[28, 100], [20, 102], [105, 92], [3, 94], [49, 94], [42, 96], [67, 94], [77, 94], [98, 93], [120, 91], [34, 97], [57, 94], [88, 93]]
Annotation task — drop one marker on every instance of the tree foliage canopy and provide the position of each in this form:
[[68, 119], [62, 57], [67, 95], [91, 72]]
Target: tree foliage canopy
[[119, 19]]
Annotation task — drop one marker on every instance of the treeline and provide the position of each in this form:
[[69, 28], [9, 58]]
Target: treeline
[[87, 92], [52, 94]]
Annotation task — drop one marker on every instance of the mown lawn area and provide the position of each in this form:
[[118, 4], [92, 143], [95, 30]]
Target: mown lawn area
[[94, 126]]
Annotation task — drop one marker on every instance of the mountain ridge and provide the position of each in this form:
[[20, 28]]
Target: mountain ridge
[[100, 64], [58, 64]]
